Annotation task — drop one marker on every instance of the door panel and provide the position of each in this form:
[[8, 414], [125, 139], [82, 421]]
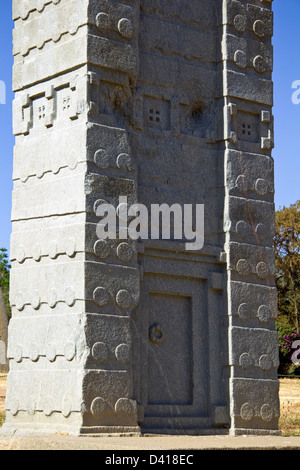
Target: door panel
[[170, 351], [173, 346]]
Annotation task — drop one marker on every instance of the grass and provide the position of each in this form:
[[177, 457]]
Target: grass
[[289, 421], [2, 393]]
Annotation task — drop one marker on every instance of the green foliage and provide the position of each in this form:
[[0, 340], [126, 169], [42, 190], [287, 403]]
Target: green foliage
[[286, 336], [287, 256], [287, 252], [4, 278], [286, 341]]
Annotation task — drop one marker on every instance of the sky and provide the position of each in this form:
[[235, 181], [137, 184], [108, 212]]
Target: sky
[[286, 154]]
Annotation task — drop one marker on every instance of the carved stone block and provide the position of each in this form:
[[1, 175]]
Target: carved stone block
[[128, 105]]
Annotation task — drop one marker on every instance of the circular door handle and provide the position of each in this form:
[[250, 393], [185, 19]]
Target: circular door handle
[[156, 335]]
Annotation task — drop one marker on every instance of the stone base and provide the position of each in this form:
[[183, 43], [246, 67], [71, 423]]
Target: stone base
[[184, 432], [254, 432], [9, 430], [111, 431]]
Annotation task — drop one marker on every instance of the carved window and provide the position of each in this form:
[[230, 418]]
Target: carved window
[[248, 126], [157, 112], [154, 115], [42, 112], [66, 103]]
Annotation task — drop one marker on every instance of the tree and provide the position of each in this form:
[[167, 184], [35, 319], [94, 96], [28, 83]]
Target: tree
[[4, 278], [287, 253]]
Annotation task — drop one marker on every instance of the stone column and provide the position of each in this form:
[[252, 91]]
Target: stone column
[[3, 334], [72, 295], [249, 216]]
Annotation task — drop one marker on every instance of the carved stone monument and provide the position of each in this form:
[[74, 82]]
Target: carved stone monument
[[159, 102]]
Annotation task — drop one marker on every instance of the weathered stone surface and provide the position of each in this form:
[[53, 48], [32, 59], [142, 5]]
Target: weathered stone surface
[[158, 102], [3, 334]]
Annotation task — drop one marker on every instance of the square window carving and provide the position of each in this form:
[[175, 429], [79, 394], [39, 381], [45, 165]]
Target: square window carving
[[66, 103], [40, 110], [156, 113], [248, 125]]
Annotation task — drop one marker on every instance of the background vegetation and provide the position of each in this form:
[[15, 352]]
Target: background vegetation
[[287, 253], [4, 278]]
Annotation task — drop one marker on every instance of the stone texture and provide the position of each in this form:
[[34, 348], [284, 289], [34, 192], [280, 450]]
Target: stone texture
[[253, 357], [161, 102], [3, 335]]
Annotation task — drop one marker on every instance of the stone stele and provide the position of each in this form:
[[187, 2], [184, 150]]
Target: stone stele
[[158, 101]]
